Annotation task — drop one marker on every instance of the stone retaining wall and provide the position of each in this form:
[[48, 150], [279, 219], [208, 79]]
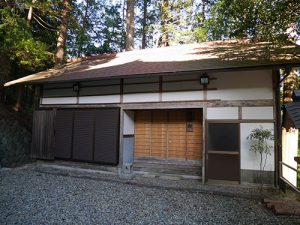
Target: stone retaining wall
[[15, 143]]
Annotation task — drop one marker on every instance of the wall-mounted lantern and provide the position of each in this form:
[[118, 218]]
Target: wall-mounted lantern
[[76, 87], [204, 79]]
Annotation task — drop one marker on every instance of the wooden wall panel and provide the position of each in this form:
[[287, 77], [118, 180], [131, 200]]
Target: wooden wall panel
[[164, 134], [142, 134], [43, 134], [83, 135], [107, 136], [63, 134], [159, 134]]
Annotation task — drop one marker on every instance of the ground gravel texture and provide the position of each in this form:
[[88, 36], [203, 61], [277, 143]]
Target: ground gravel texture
[[37, 196]]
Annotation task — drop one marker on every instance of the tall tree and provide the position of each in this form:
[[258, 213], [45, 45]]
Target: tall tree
[[62, 34], [95, 28], [17, 106], [25, 45], [165, 20], [30, 11], [129, 41], [258, 19], [145, 6]]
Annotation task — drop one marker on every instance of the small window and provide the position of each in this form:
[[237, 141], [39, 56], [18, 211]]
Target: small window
[[223, 137]]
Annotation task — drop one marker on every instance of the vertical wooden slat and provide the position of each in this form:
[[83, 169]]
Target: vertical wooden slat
[[107, 136], [142, 134], [63, 134], [42, 146], [83, 135], [158, 134], [163, 134]]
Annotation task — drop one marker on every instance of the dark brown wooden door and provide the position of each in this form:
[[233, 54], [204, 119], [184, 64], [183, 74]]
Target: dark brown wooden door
[[83, 135], [90, 135], [223, 151], [43, 134], [106, 136], [168, 134], [63, 134]]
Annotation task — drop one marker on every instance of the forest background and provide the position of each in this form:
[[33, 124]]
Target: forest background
[[36, 35]]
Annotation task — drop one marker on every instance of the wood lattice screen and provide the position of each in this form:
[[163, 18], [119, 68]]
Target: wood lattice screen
[[168, 134]]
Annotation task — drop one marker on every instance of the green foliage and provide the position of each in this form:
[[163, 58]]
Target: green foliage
[[19, 44], [95, 28], [181, 20], [258, 19], [260, 141], [200, 34], [26, 46]]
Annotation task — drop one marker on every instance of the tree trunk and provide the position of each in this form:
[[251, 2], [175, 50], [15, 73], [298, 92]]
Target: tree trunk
[[1, 93], [144, 24], [18, 105], [129, 41], [62, 34], [165, 17], [123, 17], [204, 3], [30, 12], [289, 132]]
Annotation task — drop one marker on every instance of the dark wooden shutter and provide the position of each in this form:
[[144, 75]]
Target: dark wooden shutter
[[107, 136], [43, 135], [83, 135], [63, 134]]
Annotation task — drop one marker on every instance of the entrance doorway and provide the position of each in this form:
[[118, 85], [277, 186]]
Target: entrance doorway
[[223, 151], [168, 135]]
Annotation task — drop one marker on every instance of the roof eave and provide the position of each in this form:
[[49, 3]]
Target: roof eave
[[45, 81]]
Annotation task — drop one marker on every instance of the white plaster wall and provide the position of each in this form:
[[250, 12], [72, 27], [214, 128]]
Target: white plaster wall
[[289, 151], [250, 160], [257, 113], [99, 99], [141, 97], [128, 127], [58, 101], [222, 113], [241, 85], [182, 96]]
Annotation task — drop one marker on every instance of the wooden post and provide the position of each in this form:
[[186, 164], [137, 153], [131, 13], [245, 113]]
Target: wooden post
[[289, 132]]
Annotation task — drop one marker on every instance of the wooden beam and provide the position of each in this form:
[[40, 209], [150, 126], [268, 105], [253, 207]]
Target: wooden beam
[[171, 104]]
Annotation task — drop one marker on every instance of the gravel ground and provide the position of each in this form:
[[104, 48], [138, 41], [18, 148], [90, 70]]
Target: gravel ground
[[48, 196]]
